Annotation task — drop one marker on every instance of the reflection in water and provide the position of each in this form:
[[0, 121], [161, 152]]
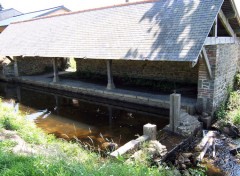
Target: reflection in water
[[72, 118], [36, 115]]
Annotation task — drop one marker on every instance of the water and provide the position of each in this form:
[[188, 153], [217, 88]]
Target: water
[[89, 121]]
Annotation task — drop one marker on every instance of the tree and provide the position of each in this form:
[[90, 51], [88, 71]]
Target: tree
[[1, 7]]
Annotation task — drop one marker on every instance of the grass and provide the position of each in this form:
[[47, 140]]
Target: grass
[[55, 157]]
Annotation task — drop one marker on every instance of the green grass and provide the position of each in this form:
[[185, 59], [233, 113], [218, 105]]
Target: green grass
[[55, 157]]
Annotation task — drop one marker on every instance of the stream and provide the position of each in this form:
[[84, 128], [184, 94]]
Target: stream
[[70, 118]]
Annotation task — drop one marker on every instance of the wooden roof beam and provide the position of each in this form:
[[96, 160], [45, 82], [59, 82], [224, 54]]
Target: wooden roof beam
[[8, 57], [226, 24], [231, 15], [206, 61]]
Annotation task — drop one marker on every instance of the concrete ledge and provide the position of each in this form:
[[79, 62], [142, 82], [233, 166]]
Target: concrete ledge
[[100, 91]]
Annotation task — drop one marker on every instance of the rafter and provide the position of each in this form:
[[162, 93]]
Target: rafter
[[206, 61], [225, 23]]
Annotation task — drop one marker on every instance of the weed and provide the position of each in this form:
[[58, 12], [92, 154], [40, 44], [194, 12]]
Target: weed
[[221, 112]]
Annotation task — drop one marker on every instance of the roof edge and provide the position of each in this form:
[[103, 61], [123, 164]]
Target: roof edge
[[89, 10], [4, 10], [54, 9], [236, 10]]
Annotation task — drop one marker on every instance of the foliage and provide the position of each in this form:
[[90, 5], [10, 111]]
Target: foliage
[[7, 145], [230, 112], [237, 82], [221, 112], [197, 172], [234, 100]]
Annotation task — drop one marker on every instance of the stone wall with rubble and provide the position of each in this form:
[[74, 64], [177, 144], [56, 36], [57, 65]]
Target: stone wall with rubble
[[226, 69], [36, 65], [223, 60], [158, 70]]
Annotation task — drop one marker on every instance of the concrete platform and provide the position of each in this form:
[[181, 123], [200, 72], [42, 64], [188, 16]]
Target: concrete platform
[[141, 98]]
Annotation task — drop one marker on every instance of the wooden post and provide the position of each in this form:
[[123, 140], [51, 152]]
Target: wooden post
[[110, 114], [56, 108], [110, 84], [55, 71], [16, 70], [150, 130], [215, 27], [175, 105]]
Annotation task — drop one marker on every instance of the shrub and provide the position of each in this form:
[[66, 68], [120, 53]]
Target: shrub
[[221, 112], [237, 81], [234, 101]]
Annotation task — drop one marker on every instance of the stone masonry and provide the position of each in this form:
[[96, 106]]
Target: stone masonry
[[36, 65], [224, 64], [171, 71]]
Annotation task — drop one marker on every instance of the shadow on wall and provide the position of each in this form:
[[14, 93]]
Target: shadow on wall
[[170, 24]]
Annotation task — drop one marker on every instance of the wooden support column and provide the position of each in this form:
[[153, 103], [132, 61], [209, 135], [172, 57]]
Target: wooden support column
[[215, 27], [175, 105], [19, 97], [55, 71], [16, 69], [56, 108], [110, 84]]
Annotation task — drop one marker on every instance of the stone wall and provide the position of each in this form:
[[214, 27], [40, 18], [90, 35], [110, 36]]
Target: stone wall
[[158, 70], [36, 65], [226, 68], [205, 84], [224, 65]]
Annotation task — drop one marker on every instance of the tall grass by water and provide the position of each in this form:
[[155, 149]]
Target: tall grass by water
[[50, 156]]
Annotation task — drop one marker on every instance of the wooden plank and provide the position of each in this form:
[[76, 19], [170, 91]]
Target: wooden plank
[[225, 23], [129, 146], [205, 139], [206, 61], [209, 143]]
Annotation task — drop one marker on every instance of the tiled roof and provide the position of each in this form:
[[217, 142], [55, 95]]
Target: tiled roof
[[8, 13], [30, 15], [169, 30]]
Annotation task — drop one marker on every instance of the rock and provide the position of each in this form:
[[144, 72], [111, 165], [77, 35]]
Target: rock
[[180, 159], [138, 155], [186, 173], [207, 121], [222, 137], [231, 132], [187, 155], [152, 151], [161, 149], [235, 151], [110, 146], [187, 161], [204, 114], [183, 166], [235, 130]]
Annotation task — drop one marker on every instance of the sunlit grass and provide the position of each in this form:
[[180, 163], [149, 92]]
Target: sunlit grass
[[57, 157]]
